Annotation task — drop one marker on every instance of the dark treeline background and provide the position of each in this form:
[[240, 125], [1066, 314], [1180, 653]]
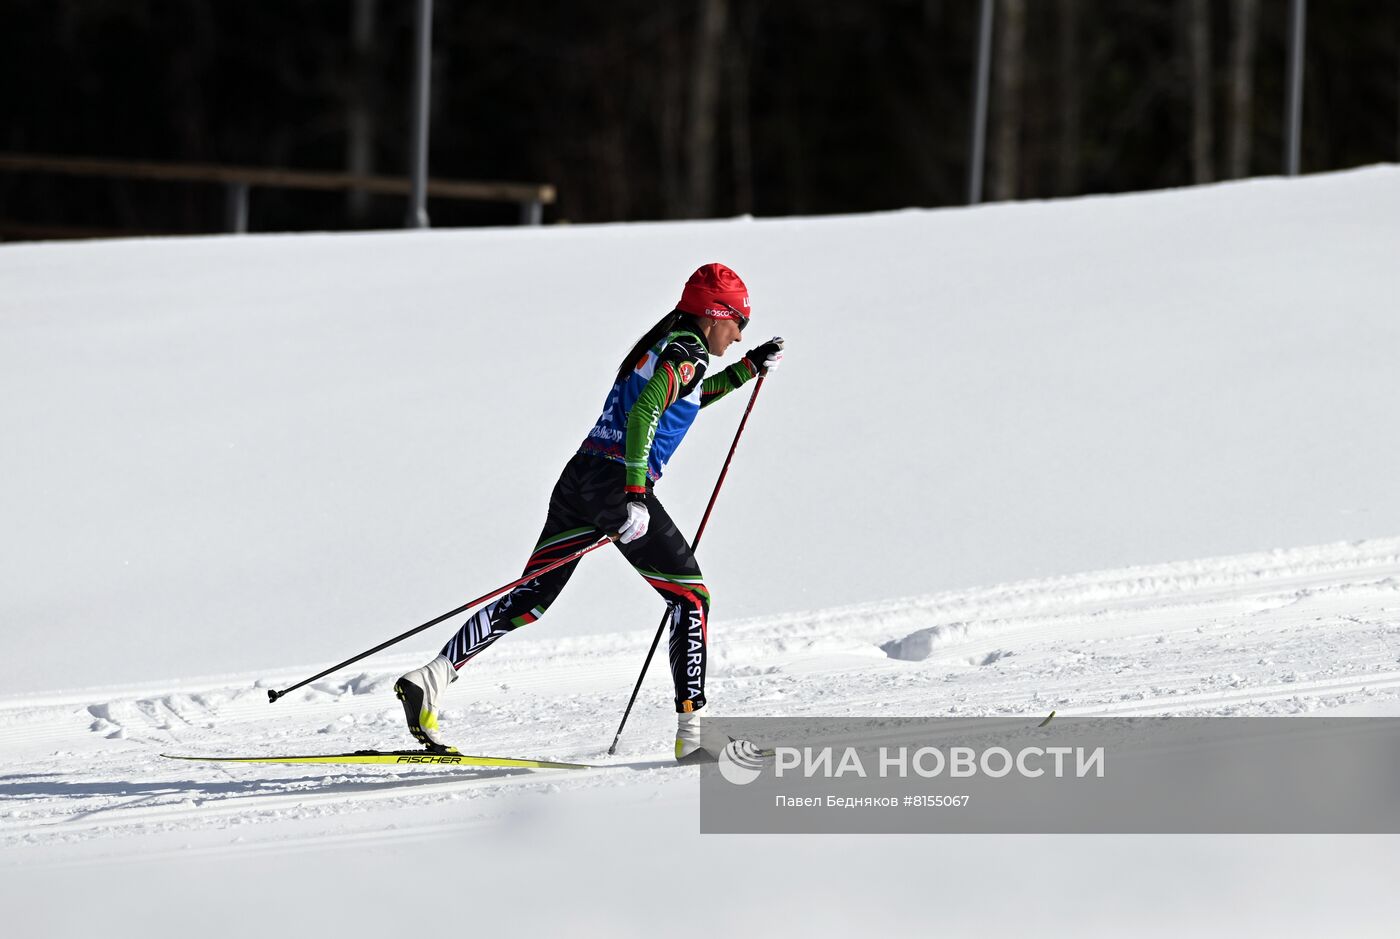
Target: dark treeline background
[[637, 109]]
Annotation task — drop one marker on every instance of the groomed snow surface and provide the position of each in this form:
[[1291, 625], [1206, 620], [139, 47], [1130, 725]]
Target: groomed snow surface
[[1129, 455]]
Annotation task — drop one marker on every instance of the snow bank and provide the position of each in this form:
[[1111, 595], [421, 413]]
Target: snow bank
[[226, 453]]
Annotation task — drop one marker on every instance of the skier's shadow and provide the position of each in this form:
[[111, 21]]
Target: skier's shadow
[[53, 785], [196, 788]]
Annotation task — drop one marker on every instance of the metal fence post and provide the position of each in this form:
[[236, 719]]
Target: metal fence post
[[531, 212], [236, 208], [1294, 142], [423, 64], [978, 144]]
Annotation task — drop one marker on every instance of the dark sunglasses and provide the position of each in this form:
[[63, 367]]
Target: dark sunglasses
[[739, 318]]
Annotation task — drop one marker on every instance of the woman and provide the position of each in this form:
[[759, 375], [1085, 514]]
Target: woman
[[608, 486]]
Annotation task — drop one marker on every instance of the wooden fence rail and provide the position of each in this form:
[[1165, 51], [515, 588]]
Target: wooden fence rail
[[239, 180]]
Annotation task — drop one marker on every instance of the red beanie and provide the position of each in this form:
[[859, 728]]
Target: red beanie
[[711, 291]]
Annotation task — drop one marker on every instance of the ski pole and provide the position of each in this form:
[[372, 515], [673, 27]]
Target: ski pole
[[272, 695], [661, 627]]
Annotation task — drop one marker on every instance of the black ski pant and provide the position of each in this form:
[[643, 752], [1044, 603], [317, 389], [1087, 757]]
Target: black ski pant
[[588, 501]]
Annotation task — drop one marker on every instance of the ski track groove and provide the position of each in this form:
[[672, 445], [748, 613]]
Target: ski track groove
[[1281, 632]]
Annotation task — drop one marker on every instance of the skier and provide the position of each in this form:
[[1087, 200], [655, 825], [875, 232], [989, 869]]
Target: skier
[[608, 487]]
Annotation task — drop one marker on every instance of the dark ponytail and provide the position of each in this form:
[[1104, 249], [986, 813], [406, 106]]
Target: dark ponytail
[[654, 335]]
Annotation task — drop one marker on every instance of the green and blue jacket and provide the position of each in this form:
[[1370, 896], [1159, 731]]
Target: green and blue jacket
[[648, 412]]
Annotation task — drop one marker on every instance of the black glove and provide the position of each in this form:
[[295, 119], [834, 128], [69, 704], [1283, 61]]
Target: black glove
[[767, 356]]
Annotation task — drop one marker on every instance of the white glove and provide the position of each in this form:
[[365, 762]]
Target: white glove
[[638, 518]]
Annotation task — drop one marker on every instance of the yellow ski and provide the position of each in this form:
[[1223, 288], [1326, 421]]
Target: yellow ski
[[393, 758]]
